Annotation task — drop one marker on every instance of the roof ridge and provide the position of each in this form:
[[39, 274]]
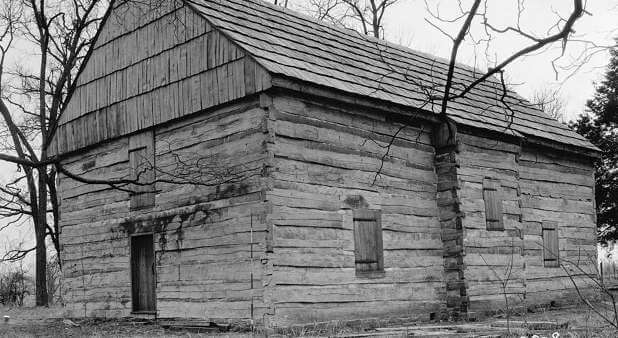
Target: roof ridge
[[353, 32], [402, 51]]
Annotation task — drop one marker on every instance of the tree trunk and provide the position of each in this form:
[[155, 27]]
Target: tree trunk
[[41, 265], [41, 233], [41, 224]]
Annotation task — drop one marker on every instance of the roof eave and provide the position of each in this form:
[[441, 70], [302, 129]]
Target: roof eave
[[279, 81], [591, 151], [307, 88]]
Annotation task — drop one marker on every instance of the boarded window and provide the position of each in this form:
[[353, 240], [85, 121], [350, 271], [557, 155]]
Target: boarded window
[[551, 251], [142, 161], [369, 255], [493, 204], [143, 273]]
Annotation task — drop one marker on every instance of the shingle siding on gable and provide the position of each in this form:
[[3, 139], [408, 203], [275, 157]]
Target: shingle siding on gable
[[149, 68]]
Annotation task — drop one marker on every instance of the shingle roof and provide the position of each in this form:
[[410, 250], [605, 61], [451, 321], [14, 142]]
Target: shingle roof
[[296, 46]]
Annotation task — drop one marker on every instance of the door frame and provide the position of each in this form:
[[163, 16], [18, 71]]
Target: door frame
[[154, 273]]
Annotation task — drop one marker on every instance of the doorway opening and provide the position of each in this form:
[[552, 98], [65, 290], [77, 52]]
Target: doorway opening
[[143, 273]]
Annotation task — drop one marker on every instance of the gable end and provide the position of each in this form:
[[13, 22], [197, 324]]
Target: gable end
[[150, 66]]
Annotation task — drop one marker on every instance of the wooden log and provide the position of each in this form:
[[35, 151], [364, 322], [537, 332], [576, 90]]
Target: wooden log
[[294, 313]]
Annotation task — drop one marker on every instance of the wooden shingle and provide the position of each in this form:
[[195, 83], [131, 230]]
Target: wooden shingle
[[300, 47]]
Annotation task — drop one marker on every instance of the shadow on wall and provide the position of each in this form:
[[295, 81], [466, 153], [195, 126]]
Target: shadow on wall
[[356, 202]]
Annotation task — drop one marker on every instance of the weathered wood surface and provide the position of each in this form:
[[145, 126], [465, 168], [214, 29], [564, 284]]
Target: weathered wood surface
[[557, 190], [326, 159], [203, 257], [279, 245], [149, 66], [490, 200], [492, 195], [537, 188], [311, 163]]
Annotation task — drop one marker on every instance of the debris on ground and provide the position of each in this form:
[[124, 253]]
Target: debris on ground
[[69, 322]]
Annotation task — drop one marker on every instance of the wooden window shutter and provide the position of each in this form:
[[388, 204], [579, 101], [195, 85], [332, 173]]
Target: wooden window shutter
[[493, 204], [142, 161], [368, 251], [551, 250]]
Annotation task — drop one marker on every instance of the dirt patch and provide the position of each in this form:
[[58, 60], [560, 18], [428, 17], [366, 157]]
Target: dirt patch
[[49, 322]]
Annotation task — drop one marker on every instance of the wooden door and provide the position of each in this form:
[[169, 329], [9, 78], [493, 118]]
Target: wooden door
[[142, 273]]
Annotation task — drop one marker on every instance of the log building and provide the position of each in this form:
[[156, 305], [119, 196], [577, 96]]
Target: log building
[[286, 172]]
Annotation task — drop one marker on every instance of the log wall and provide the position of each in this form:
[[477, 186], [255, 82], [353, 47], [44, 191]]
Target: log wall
[[210, 236], [278, 245], [491, 257], [557, 187], [325, 163], [536, 186]]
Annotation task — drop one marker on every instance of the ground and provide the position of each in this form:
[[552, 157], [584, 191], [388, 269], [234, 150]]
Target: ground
[[47, 322]]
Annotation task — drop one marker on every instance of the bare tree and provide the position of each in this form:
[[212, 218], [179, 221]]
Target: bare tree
[[477, 14], [589, 280], [330, 11], [31, 102], [54, 279], [473, 23], [550, 102], [32, 98], [504, 280], [366, 16], [370, 14], [282, 3], [14, 286]]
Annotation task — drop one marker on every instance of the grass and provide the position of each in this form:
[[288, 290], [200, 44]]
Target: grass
[[582, 322], [56, 328], [48, 322]]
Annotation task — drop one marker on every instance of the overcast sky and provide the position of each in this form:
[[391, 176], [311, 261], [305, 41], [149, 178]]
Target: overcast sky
[[405, 24]]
